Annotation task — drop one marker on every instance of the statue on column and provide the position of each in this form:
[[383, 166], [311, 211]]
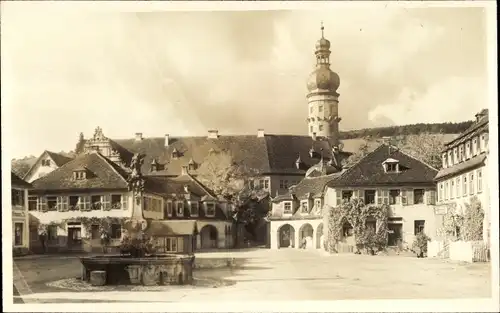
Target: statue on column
[[136, 185]]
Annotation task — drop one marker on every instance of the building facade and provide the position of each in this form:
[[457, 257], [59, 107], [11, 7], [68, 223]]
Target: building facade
[[20, 217], [73, 206], [465, 171], [389, 176]]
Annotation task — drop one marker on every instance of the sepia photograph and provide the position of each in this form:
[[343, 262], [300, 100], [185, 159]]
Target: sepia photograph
[[162, 155]]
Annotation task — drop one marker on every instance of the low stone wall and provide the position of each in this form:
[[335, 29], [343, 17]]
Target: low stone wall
[[209, 263]]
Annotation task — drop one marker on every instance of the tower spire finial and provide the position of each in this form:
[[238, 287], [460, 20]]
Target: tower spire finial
[[322, 30]]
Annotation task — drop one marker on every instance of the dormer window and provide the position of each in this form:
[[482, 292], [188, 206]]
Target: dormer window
[[79, 175], [191, 165], [391, 166], [287, 207], [304, 207], [175, 154], [154, 166]]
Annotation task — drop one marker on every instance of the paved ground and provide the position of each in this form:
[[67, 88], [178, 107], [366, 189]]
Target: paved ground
[[283, 275]]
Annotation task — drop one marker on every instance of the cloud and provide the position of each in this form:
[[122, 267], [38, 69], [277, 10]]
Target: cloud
[[454, 99], [186, 72]]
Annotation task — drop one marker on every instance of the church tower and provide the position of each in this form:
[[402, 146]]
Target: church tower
[[323, 120]]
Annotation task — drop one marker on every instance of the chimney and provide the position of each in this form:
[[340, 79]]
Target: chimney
[[213, 134], [260, 132], [184, 170], [314, 137], [138, 136], [167, 140]]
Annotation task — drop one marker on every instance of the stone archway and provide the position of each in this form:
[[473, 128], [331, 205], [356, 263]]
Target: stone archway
[[286, 236], [209, 237], [306, 234], [319, 236]]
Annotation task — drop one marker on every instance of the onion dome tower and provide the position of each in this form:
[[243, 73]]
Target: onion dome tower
[[323, 120]]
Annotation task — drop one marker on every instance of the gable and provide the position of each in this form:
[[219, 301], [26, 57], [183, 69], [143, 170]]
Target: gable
[[46, 163], [103, 175]]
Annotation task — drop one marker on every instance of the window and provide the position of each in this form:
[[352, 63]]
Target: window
[[418, 226], [407, 197], [320, 108], [371, 224], [394, 196], [418, 196], [167, 209], [455, 155], [116, 202], [317, 203], [282, 185], [266, 184], [51, 232], [452, 189], [96, 202], [346, 195], [288, 207], [347, 230], [17, 197], [471, 183], [474, 146], [32, 201], [95, 233], [261, 184], [171, 244], [304, 207], [125, 202], [320, 127], [51, 203], [46, 162], [467, 150], [464, 185], [370, 196], [441, 192], [450, 158], [180, 208], [210, 209], [18, 234], [73, 203], [457, 186], [116, 231], [62, 203], [79, 175], [479, 181], [461, 155], [446, 190], [445, 163], [391, 167], [194, 208], [482, 147], [41, 204]]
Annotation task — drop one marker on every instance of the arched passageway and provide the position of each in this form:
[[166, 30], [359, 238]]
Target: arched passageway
[[319, 237], [208, 237], [306, 234], [286, 236]]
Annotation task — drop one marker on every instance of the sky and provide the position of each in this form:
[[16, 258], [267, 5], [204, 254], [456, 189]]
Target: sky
[[182, 73]]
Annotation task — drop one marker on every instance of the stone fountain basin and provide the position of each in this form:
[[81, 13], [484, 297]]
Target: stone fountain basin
[[167, 269]]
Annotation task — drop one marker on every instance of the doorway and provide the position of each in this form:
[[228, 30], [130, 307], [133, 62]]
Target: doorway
[[395, 234], [75, 238]]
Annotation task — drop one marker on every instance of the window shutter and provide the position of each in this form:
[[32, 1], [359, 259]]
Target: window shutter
[[386, 196], [125, 202], [380, 195], [404, 197], [180, 244], [428, 199], [361, 194], [338, 193], [410, 197]]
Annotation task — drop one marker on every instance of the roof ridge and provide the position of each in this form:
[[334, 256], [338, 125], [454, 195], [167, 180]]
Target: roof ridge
[[111, 164]]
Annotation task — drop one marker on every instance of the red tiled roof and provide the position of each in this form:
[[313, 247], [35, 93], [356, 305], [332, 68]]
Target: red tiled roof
[[103, 174], [370, 172]]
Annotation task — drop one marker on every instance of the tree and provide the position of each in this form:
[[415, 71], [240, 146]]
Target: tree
[[232, 181], [426, 147]]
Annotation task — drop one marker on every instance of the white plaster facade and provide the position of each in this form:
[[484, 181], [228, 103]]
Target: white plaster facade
[[44, 165], [299, 227], [20, 220], [223, 237]]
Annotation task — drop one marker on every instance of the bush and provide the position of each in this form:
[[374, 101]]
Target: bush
[[420, 244]]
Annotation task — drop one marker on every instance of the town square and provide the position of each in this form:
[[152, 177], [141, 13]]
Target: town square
[[232, 169]]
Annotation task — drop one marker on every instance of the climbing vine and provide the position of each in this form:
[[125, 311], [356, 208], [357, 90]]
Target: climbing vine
[[464, 225], [357, 214]]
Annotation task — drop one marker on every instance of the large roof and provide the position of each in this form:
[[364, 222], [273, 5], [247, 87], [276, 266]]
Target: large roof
[[479, 126], [101, 174], [370, 172], [470, 164], [16, 181], [268, 154]]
